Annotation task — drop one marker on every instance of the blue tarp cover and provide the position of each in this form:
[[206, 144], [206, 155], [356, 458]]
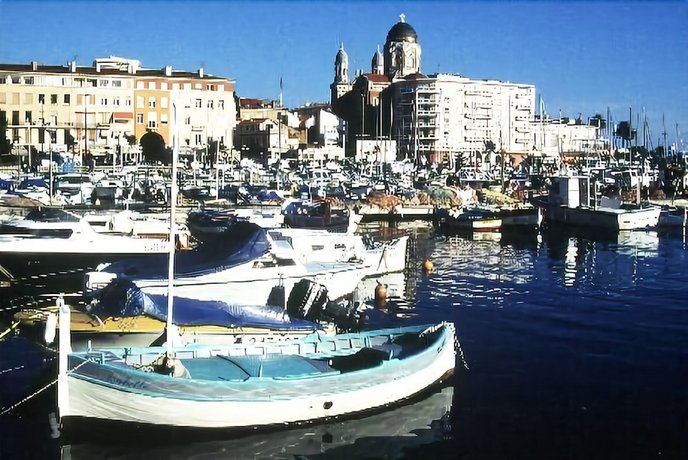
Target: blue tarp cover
[[245, 241], [123, 298], [30, 182]]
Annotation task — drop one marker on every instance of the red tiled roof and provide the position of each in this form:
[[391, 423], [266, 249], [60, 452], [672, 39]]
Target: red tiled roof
[[376, 78]]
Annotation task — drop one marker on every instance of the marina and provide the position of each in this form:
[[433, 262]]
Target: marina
[[314, 233]]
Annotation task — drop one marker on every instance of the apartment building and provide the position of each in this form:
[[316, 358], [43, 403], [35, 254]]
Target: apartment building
[[96, 108], [444, 115], [438, 116]]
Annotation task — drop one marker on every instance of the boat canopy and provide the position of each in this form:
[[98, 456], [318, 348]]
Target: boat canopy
[[245, 241], [122, 298]]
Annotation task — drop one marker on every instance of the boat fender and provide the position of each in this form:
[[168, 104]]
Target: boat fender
[[50, 328], [380, 295], [428, 267], [307, 300]]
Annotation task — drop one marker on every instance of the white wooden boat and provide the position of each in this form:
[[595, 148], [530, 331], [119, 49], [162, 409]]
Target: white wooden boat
[[251, 386]]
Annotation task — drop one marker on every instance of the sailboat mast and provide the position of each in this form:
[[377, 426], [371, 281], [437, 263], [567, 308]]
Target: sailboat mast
[[664, 137], [171, 242]]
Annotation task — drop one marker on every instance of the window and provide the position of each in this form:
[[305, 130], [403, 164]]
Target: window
[[103, 101], [116, 101], [127, 102], [152, 120], [103, 83], [210, 104], [175, 86], [53, 98], [163, 85], [28, 98], [92, 82], [199, 104], [187, 86], [140, 85], [15, 117], [139, 101], [16, 79], [28, 80], [211, 87], [197, 139], [27, 117], [66, 99], [163, 102], [221, 104], [151, 102], [187, 120], [163, 118], [117, 83], [41, 98], [151, 85], [198, 86], [139, 118]]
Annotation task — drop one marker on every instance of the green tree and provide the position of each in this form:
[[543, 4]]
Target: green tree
[[153, 147], [70, 141], [5, 143], [213, 148]]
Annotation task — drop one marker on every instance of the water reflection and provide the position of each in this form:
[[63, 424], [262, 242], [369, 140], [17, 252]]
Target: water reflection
[[383, 435]]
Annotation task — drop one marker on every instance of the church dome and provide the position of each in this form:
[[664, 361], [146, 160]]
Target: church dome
[[402, 31], [341, 55]]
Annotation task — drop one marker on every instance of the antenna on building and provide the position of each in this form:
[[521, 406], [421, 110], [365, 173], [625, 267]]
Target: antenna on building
[[280, 93]]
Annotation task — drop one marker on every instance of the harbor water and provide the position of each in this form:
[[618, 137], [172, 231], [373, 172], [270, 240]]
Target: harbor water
[[575, 345]]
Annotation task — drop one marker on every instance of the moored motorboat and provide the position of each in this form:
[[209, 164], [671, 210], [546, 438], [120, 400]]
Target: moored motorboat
[[467, 219], [53, 248], [243, 268]]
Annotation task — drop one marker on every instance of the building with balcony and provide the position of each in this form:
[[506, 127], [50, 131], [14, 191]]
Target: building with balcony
[[437, 117], [96, 108]]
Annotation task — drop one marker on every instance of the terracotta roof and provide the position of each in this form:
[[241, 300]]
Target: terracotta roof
[[376, 78]]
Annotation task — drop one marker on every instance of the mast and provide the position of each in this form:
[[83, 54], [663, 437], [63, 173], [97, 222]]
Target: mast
[[664, 137], [171, 242]]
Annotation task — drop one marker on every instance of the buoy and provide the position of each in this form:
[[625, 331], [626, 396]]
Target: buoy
[[428, 266], [380, 295]]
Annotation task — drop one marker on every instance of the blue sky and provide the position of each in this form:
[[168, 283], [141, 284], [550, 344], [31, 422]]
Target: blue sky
[[582, 57]]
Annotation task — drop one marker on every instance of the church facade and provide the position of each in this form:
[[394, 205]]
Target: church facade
[[438, 117]]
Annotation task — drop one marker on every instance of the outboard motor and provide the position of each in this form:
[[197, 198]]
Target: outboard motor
[[307, 300]]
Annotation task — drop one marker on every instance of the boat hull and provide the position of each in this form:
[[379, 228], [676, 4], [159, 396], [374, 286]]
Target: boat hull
[[606, 218], [118, 395]]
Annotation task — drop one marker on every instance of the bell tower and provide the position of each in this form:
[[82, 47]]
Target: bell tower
[[402, 50], [341, 84]]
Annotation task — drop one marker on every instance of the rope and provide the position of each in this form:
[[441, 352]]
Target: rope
[[4, 371], [9, 329], [46, 275], [35, 393]]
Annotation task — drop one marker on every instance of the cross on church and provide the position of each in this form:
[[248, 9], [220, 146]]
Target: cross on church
[[402, 17]]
